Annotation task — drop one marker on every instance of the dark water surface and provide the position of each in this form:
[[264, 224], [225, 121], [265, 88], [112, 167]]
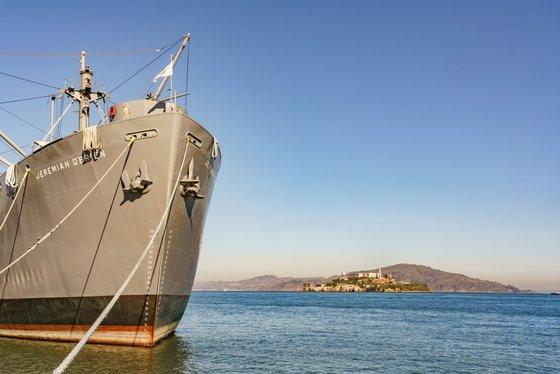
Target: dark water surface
[[330, 332]]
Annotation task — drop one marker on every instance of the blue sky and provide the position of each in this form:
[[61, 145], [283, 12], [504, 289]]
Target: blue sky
[[354, 133]]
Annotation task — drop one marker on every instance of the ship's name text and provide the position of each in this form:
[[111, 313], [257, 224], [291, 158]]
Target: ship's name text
[[74, 161]]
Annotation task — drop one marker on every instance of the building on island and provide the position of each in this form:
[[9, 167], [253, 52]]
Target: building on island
[[366, 274]]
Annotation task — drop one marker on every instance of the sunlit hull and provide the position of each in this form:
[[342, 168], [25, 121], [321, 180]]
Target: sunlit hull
[[59, 289]]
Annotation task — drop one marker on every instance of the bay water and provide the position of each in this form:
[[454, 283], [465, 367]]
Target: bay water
[[295, 332]]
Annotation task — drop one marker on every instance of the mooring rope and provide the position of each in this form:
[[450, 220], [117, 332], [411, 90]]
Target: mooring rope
[[44, 237], [20, 187], [68, 360]]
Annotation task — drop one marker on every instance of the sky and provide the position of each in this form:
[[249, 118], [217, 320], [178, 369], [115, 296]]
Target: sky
[[354, 134]]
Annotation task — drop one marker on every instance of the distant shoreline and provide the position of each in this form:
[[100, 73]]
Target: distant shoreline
[[436, 280]]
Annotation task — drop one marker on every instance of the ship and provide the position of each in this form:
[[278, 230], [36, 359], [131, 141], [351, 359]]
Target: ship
[[79, 211]]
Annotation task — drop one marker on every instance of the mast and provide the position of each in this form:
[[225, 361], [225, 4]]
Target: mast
[[84, 96], [85, 86], [173, 62]]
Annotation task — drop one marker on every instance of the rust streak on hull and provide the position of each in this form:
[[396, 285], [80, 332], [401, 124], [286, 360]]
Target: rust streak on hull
[[142, 336], [139, 336]]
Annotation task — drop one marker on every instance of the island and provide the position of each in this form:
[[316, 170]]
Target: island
[[365, 282], [411, 274]]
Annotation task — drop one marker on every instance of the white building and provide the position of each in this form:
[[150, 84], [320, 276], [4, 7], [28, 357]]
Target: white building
[[371, 274]]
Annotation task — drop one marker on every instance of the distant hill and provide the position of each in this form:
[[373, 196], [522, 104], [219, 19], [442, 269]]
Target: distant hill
[[260, 283], [437, 280], [442, 281]]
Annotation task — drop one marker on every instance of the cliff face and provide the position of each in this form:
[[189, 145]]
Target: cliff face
[[436, 280]]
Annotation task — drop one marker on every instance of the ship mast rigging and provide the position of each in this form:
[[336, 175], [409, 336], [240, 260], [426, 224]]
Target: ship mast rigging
[[85, 95]]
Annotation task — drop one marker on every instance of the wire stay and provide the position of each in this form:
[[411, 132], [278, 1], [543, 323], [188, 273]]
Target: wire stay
[[28, 80]]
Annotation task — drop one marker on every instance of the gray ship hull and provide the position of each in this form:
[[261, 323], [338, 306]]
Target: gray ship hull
[[58, 290]]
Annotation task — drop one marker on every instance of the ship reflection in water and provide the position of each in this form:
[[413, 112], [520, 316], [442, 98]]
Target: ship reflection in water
[[26, 356]]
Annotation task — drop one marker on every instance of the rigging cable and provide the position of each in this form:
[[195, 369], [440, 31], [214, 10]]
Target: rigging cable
[[53, 126], [187, 77], [21, 119], [73, 54], [24, 99], [13, 150], [38, 53], [124, 53], [29, 80], [167, 48]]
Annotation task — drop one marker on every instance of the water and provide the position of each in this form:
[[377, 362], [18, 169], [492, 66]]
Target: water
[[331, 332]]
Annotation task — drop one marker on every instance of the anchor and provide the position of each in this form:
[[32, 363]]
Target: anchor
[[141, 182], [190, 184]]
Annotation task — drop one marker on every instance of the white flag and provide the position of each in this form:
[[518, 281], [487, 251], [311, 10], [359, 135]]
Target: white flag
[[166, 72]]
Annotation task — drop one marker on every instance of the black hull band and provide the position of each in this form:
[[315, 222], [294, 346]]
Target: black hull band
[[130, 310]]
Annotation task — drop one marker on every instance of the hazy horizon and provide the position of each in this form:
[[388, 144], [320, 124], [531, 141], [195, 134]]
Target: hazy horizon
[[353, 134]]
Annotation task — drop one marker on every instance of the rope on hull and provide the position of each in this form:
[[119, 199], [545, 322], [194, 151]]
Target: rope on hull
[[68, 360], [44, 237]]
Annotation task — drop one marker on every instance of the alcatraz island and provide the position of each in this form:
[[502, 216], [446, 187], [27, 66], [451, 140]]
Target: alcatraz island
[[403, 277], [365, 282]]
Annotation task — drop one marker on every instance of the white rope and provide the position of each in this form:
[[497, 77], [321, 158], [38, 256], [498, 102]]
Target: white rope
[[68, 360], [56, 123], [42, 239], [90, 140], [10, 178], [23, 180]]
